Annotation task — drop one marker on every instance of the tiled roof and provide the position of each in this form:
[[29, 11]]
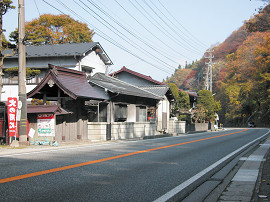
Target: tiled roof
[[124, 69], [117, 86], [56, 50], [39, 109], [159, 90], [71, 82], [193, 94]]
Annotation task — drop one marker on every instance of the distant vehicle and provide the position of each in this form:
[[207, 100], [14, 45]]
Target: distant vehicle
[[251, 124]]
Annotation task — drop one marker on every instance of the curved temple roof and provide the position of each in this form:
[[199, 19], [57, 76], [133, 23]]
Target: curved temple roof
[[72, 83]]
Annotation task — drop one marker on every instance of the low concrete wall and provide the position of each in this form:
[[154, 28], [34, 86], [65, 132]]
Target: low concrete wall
[[129, 130], [195, 127], [176, 127], [120, 130], [97, 131]]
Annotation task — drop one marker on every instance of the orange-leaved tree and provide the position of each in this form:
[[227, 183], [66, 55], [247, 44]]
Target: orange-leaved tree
[[247, 81], [54, 29]]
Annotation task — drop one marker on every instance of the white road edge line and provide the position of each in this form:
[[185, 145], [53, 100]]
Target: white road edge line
[[191, 180]]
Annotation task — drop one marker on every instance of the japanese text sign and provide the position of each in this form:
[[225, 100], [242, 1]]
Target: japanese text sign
[[45, 124], [12, 104]]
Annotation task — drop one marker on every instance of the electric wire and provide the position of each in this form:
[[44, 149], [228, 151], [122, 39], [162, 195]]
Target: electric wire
[[125, 38], [170, 54], [167, 24], [106, 37], [137, 37], [156, 24], [190, 39], [149, 31], [37, 7], [123, 27], [204, 45]]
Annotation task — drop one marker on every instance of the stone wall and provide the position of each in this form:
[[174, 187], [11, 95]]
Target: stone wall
[[195, 127], [176, 127]]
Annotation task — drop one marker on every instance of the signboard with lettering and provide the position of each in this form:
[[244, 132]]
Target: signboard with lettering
[[12, 104], [45, 124]]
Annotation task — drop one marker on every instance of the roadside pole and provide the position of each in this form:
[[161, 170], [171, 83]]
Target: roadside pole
[[22, 76]]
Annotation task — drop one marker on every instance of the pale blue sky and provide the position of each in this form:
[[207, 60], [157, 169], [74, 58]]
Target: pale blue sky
[[158, 43]]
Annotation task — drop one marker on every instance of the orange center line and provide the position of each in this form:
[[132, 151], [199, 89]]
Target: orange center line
[[19, 177]]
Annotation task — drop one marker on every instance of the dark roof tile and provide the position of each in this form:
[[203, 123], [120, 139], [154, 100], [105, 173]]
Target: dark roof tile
[[72, 82], [159, 90], [39, 109], [70, 49], [148, 78], [117, 86]]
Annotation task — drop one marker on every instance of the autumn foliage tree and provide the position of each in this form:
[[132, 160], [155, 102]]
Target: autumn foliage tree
[[207, 102], [245, 89], [260, 23], [54, 29], [182, 101]]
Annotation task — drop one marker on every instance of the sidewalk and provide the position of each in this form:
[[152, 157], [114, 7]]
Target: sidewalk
[[262, 190], [7, 150], [250, 181]]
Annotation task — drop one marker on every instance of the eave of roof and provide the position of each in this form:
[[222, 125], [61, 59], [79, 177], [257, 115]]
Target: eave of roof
[[117, 86], [40, 109], [71, 82], [62, 50], [148, 78], [160, 91], [193, 94]]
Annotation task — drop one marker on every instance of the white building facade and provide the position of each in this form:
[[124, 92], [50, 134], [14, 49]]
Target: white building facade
[[86, 57]]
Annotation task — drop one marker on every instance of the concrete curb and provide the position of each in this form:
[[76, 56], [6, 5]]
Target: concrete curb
[[243, 183]]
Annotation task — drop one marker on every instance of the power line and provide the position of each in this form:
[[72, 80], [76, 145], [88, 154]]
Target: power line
[[147, 39], [182, 25], [158, 25], [106, 37], [129, 31], [186, 35], [149, 31], [123, 36], [168, 25], [37, 7]]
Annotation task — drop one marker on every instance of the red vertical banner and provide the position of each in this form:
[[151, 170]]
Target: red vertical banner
[[12, 104]]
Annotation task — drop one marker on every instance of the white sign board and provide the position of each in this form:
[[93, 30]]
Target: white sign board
[[46, 125], [31, 133]]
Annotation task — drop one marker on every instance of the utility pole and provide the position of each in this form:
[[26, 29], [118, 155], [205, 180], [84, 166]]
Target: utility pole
[[3, 11], [209, 73], [22, 105]]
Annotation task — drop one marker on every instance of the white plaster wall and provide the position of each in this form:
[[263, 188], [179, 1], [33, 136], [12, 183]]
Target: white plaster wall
[[12, 91], [163, 106], [131, 113], [93, 60]]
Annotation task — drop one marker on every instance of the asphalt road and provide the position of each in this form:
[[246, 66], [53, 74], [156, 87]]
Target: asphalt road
[[127, 171]]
